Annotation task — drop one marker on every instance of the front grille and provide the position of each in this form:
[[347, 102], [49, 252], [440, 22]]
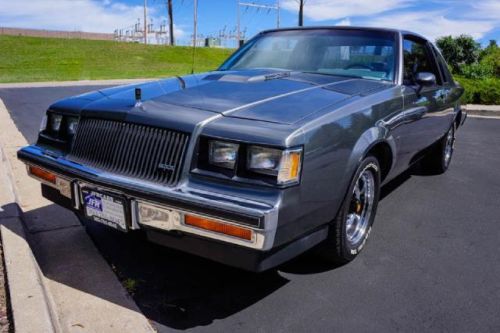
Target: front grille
[[132, 150]]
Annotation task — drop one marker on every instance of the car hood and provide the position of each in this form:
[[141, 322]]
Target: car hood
[[262, 95]]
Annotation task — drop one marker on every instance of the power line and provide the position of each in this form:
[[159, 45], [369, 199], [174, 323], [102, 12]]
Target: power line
[[276, 7]]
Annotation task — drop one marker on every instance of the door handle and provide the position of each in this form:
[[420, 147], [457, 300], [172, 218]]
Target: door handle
[[415, 113]]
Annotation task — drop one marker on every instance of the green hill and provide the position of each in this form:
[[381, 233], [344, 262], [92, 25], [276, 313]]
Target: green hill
[[30, 59]]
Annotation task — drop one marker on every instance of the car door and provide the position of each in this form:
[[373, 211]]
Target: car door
[[420, 124], [448, 94]]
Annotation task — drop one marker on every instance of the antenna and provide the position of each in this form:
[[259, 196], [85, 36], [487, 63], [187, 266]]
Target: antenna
[[195, 32]]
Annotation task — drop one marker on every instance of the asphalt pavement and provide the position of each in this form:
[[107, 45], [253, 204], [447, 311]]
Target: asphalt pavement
[[432, 261]]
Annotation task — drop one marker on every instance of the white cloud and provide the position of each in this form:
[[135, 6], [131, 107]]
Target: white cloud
[[344, 22], [74, 15], [486, 9], [320, 10], [432, 24]]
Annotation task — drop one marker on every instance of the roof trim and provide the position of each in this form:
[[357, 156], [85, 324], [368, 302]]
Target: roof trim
[[381, 29]]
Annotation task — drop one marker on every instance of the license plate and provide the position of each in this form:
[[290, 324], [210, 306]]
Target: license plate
[[104, 208]]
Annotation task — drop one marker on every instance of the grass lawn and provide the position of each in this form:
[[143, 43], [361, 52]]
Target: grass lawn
[[31, 59]]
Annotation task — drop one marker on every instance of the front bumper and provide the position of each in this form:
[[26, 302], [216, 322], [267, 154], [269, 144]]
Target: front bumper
[[258, 216], [261, 217]]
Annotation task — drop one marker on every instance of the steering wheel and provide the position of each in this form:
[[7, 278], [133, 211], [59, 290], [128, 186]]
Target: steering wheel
[[358, 65]]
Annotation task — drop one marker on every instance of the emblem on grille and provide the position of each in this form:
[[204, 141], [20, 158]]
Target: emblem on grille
[[166, 167]]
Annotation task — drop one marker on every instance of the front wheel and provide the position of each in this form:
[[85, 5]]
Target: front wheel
[[351, 228]]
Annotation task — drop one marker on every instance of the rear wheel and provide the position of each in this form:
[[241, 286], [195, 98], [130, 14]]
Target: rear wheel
[[438, 160], [351, 228]]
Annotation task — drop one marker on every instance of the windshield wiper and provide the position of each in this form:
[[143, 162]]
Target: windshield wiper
[[331, 74]]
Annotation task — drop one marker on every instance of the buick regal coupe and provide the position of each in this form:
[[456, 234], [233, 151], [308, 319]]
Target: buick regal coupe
[[282, 149]]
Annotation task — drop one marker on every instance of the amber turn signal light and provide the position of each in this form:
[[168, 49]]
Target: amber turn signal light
[[42, 174], [218, 227]]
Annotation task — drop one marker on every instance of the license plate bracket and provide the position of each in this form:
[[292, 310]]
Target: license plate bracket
[[104, 207]]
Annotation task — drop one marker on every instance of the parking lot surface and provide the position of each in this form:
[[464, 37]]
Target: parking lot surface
[[432, 261]]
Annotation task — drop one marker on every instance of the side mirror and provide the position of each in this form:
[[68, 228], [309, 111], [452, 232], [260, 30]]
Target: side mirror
[[424, 79]]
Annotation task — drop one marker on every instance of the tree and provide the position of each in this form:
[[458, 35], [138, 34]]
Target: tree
[[459, 51], [492, 48]]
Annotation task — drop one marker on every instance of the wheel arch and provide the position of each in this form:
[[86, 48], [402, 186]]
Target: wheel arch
[[375, 142], [382, 151]]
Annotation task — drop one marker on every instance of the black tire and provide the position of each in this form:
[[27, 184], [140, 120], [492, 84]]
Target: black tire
[[438, 159], [339, 248]]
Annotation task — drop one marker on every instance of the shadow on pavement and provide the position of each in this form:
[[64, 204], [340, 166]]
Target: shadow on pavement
[[175, 289], [179, 290], [182, 291]]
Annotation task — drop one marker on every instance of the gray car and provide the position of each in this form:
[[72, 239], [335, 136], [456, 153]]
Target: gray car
[[284, 148]]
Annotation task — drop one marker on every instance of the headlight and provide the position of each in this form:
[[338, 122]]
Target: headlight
[[264, 160], [223, 154], [55, 122], [284, 164], [71, 125]]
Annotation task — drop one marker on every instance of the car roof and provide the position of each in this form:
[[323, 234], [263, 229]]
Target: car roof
[[397, 31]]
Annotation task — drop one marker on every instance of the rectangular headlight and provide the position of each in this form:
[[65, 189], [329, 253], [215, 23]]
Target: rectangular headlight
[[71, 125], [223, 154], [264, 160], [55, 121], [284, 164]]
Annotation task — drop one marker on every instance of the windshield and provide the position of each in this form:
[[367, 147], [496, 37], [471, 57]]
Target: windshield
[[356, 53]]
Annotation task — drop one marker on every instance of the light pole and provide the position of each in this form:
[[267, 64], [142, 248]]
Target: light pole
[[301, 13], [145, 21]]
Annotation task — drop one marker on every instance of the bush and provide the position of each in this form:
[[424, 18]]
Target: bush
[[477, 71], [480, 91], [491, 59]]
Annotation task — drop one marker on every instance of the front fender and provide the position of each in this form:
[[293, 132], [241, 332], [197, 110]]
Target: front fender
[[366, 142]]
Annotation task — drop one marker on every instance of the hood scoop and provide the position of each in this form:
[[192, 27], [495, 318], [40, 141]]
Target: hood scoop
[[235, 78]]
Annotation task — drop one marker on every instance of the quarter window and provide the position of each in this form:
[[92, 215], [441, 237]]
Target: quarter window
[[443, 67]]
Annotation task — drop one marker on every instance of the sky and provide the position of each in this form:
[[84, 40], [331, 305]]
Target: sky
[[431, 18]]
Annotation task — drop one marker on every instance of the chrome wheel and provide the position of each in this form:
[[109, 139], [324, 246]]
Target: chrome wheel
[[448, 148], [360, 210]]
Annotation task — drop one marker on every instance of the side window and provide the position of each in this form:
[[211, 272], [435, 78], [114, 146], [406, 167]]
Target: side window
[[417, 58]]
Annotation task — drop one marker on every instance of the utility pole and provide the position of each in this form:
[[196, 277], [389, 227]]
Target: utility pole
[[238, 33], [278, 10], [301, 13], [195, 32], [195, 22], [145, 21], [171, 22]]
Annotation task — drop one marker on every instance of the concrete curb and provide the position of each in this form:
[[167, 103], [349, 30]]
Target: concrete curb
[[483, 111], [58, 281], [31, 304], [73, 83]]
